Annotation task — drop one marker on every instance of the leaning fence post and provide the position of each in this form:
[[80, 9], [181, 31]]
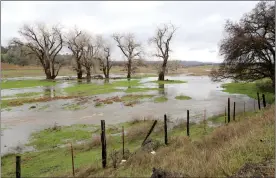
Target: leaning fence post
[[123, 140], [229, 110], [73, 166], [151, 129], [264, 102], [165, 129], [259, 104], [103, 140], [18, 167], [188, 124], [234, 111]]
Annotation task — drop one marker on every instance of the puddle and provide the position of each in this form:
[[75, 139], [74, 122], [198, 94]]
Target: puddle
[[205, 94]]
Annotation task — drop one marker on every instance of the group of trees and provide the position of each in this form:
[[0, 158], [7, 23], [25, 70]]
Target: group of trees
[[87, 51], [248, 48]]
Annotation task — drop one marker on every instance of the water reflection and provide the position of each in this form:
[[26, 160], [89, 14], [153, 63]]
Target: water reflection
[[49, 92], [161, 89], [106, 81]]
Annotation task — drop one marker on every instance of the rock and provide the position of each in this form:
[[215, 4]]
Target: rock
[[159, 173], [32, 107]]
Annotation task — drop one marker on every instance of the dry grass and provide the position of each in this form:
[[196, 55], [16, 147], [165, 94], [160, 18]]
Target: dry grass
[[221, 153]]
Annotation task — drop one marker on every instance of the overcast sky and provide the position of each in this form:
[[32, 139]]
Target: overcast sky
[[200, 24]]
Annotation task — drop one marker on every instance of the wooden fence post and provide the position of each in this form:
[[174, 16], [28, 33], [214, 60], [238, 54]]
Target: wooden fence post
[[254, 105], [264, 102], [18, 167], [229, 110], [188, 124], [103, 140], [151, 129], [123, 140], [234, 111], [259, 104], [165, 129], [73, 165], [204, 120]]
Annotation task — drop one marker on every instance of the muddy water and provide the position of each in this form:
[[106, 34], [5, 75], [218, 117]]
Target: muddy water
[[22, 121]]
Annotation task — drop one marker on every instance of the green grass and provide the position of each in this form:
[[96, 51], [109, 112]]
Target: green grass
[[26, 83], [169, 81], [251, 89], [132, 90], [160, 99], [182, 97], [94, 89], [98, 104]]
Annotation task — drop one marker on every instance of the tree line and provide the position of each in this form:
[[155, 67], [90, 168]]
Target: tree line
[[88, 51]]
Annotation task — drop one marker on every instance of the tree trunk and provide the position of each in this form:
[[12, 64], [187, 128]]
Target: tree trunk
[[163, 70], [129, 70], [107, 72], [79, 71], [161, 76], [88, 73]]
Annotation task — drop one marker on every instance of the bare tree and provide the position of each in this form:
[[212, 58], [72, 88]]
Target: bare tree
[[130, 48], [90, 55], [76, 41], [249, 47], [161, 40], [45, 44]]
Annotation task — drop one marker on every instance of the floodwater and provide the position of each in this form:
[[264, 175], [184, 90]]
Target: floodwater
[[21, 121]]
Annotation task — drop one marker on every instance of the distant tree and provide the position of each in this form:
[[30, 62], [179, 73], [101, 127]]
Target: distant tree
[[45, 44], [161, 40], [4, 50], [76, 41], [130, 48], [90, 55], [104, 57], [249, 47]]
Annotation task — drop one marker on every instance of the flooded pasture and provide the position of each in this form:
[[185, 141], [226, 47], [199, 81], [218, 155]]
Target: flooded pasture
[[19, 122]]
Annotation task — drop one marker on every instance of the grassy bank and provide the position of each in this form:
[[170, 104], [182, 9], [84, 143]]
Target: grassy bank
[[250, 89], [26, 83], [208, 152]]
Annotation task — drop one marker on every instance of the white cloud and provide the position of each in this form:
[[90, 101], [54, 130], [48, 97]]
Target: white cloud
[[200, 23]]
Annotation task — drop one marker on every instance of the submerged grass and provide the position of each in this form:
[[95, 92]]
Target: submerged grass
[[135, 97], [160, 99], [132, 90], [182, 97], [209, 152], [26, 83]]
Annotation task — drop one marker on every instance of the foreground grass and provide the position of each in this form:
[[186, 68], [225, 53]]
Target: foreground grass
[[208, 152], [182, 97], [251, 89], [26, 83]]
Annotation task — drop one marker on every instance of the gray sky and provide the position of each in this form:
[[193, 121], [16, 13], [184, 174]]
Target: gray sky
[[200, 24]]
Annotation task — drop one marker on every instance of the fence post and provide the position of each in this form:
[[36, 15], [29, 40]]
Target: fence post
[[259, 104], [18, 167], [151, 129], [234, 111], [103, 140], [264, 102], [188, 124], [73, 166], [123, 139], [204, 120], [165, 129], [229, 110]]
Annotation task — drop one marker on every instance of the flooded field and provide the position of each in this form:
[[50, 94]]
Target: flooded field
[[19, 122]]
